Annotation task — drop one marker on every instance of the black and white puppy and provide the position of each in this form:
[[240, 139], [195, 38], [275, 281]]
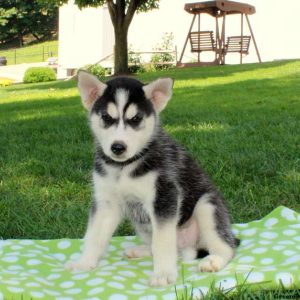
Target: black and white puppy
[[143, 174]]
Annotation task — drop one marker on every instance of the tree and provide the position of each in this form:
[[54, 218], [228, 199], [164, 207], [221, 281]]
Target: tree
[[121, 14], [21, 17]]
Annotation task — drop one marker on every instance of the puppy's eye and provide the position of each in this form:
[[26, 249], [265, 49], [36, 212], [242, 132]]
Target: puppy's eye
[[135, 121], [107, 119]]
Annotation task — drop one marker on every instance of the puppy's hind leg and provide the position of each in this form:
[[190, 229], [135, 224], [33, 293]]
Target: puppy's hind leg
[[215, 233]]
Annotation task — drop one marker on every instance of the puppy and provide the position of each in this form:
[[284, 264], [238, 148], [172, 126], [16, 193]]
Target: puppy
[[141, 173]]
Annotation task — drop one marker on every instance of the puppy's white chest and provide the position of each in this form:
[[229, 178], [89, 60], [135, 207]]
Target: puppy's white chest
[[120, 185]]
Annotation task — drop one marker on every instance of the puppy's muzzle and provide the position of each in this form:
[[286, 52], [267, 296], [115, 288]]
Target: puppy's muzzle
[[118, 148]]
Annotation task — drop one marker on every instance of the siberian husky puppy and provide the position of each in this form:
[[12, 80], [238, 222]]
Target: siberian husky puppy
[[142, 173]]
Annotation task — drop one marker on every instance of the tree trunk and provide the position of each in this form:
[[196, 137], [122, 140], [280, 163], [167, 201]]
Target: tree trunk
[[121, 49]]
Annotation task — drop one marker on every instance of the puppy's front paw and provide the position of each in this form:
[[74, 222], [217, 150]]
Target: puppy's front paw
[[138, 252], [163, 279], [81, 265], [211, 263]]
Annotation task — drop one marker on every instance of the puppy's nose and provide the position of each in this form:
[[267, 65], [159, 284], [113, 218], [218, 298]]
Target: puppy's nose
[[118, 148]]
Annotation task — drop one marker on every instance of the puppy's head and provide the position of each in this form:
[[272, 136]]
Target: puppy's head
[[123, 112]]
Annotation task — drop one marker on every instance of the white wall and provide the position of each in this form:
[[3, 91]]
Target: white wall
[[87, 35]]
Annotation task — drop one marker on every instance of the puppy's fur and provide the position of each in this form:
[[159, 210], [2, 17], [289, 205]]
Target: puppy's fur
[[141, 173]]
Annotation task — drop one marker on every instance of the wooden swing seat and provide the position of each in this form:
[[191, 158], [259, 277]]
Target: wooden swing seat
[[238, 44], [202, 41]]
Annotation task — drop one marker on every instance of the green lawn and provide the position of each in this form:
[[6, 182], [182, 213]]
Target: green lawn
[[31, 53], [241, 122]]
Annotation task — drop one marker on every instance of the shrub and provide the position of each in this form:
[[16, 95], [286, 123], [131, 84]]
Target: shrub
[[159, 60], [39, 74], [135, 62], [96, 70]]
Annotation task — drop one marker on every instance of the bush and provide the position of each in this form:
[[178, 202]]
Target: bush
[[96, 70], [39, 74], [163, 61]]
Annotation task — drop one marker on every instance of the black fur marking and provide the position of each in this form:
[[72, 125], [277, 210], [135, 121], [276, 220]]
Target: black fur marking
[[166, 202], [99, 168], [136, 213], [101, 155], [136, 95], [201, 253]]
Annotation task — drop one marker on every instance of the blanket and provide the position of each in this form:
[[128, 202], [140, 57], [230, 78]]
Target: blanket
[[269, 257]]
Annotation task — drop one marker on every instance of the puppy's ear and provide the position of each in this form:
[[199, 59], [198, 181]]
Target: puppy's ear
[[90, 88], [159, 92]]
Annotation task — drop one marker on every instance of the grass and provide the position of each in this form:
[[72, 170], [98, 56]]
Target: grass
[[31, 53], [241, 122]]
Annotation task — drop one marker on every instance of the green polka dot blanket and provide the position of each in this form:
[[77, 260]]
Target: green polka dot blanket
[[269, 256]]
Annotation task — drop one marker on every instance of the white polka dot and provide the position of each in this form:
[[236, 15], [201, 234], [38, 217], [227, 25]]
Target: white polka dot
[[16, 247], [33, 284], [227, 283], [14, 289], [73, 291], [15, 268], [170, 296], [26, 242], [80, 276], [95, 291], [289, 232], [145, 263], [271, 222], [13, 282], [53, 276], [269, 268], [149, 297], [75, 256], [112, 248], [249, 232], [118, 297], [269, 235], [121, 263], [292, 260], [33, 262], [64, 298], [116, 285], [64, 244], [95, 281], [126, 245], [285, 278], [286, 242], [289, 252], [288, 214], [33, 271], [246, 259], [66, 284], [138, 286], [254, 277], [1, 296], [127, 273], [119, 278], [297, 238], [59, 256], [10, 258], [278, 247], [259, 250], [51, 293], [104, 273], [264, 242], [267, 261], [37, 294]]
